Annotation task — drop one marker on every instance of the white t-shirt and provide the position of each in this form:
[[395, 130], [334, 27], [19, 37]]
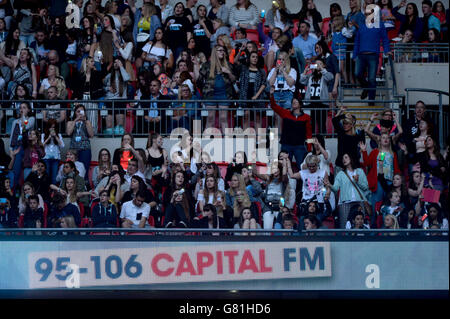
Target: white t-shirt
[[155, 52], [313, 184], [324, 164], [132, 212], [280, 81]]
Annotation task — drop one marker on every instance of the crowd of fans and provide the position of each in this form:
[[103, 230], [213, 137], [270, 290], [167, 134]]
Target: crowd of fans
[[160, 54]]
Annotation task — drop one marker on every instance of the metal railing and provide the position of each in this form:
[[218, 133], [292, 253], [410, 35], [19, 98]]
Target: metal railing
[[93, 232], [421, 52], [190, 117], [351, 84], [441, 115]]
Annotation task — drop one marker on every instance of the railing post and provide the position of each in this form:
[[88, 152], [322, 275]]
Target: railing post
[[113, 118], [441, 122]]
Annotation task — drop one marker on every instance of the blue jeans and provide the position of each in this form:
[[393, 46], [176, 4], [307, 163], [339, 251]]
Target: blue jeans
[[367, 62], [52, 169], [284, 95], [84, 156], [17, 167], [299, 151], [27, 39]]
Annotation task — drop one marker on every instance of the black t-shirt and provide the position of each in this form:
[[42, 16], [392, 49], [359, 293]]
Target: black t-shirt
[[176, 33], [203, 44]]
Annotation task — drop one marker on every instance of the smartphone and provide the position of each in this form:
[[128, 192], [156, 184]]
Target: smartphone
[[382, 156], [3, 200], [279, 62], [313, 66], [282, 201], [181, 191], [82, 112], [138, 216], [425, 216], [310, 141]]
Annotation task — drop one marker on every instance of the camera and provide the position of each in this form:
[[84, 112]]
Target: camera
[[274, 206]]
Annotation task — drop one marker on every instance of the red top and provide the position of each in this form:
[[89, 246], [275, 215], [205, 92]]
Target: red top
[[370, 161], [296, 129]]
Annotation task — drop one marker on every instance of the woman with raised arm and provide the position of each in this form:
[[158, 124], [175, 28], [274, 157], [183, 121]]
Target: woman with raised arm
[[296, 129], [382, 164], [410, 20], [348, 137], [275, 194]]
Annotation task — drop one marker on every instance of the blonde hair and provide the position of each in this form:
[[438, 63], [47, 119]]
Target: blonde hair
[[395, 226], [312, 159], [148, 10], [282, 40], [237, 208], [281, 5], [216, 63], [287, 61], [226, 41], [60, 83], [338, 23], [70, 221], [83, 68]]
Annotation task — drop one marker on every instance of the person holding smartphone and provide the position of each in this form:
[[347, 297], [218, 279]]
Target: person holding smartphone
[[80, 131], [178, 203], [282, 80], [134, 213]]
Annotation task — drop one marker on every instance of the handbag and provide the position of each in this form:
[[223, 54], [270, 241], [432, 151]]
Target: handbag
[[366, 205]]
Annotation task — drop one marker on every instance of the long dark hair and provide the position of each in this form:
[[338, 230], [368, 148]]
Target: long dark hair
[[10, 43], [389, 4], [142, 185], [49, 124], [122, 83], [122, 180], [213, 209], [335, 5], [304, 10], [410, 25], [91, 26]]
